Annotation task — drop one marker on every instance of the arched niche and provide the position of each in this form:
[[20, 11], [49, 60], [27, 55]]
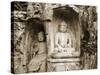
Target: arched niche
[[67, 14]]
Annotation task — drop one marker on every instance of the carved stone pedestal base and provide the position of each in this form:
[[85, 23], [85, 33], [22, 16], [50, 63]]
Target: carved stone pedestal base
[[63, 64]]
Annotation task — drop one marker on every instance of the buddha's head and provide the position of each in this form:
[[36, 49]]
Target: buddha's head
[[63, 26]]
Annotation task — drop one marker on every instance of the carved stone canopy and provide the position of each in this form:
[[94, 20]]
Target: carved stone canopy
[[65, 12]]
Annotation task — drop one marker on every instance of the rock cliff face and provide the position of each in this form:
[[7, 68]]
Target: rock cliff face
[[28, 19]]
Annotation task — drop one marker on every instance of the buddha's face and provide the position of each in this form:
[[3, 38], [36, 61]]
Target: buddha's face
[[63, 27], [41, 36]]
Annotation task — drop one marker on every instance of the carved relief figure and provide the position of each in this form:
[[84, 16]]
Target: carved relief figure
[[62, 38], [38, 63]]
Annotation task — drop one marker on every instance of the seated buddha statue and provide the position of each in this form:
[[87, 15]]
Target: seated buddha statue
[[63, 41]]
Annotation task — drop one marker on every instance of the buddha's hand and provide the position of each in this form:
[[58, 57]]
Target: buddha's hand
[[57, 50]]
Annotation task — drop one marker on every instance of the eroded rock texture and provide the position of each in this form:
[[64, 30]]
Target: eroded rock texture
[[33, 32]]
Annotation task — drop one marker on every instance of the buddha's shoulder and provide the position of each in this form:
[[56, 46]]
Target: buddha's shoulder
[[59, 33]]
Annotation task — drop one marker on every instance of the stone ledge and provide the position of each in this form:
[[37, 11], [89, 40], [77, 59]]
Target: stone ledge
[[65, 55], [63, 60]]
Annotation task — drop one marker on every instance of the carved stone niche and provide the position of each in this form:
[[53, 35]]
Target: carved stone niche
[[64, 58]]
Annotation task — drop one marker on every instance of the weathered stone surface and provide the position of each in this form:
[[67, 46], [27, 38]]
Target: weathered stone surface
[[78, 48]]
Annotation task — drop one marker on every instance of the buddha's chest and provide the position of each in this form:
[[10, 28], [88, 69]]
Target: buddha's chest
[[63, 39]]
